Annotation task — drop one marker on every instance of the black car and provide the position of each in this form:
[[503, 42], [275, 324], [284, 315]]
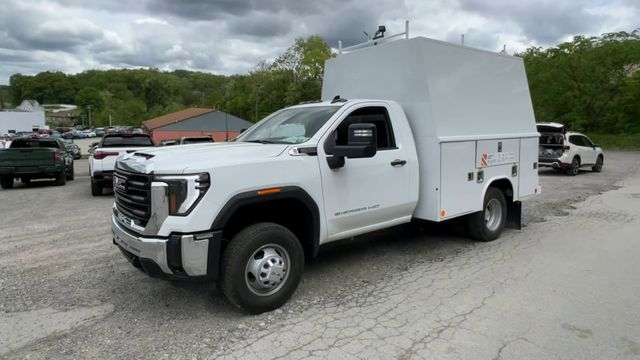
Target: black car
[[71, 146]]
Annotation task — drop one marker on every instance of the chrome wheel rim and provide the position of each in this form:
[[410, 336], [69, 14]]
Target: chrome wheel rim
[[267, 270], [493, 214]]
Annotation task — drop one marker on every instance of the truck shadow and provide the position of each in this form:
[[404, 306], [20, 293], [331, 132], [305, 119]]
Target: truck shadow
[[340, 266]]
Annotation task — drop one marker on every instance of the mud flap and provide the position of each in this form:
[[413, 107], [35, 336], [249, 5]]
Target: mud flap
[[514, 215]]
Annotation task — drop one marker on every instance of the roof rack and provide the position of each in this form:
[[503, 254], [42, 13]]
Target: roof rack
[[377, 39]]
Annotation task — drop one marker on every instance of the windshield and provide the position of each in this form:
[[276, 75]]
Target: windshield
[[289, 126]]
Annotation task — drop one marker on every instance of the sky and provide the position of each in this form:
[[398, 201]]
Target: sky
[[232, 36]]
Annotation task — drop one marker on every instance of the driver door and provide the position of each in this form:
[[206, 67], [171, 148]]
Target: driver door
[[366, 193]]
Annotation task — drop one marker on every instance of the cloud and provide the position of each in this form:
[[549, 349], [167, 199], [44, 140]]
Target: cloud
[[232, 36]]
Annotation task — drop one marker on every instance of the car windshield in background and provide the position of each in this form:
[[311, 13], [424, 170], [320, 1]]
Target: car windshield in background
[[289, 126], [126, 141]]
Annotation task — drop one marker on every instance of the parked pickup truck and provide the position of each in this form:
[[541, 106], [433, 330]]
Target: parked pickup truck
[[409, 130], [102, 158], [29, 159]]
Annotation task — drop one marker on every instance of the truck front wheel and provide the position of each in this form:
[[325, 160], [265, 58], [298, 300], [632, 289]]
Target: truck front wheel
[[261, 267], [487, 225]]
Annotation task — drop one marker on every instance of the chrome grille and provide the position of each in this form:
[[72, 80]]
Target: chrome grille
[[133, 195]]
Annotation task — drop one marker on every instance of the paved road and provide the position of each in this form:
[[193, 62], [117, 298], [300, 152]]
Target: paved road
[[566, 287]]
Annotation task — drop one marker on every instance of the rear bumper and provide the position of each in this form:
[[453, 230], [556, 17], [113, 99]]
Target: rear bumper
[[554, 163], [30, 170], [105, 178], [181, 256]]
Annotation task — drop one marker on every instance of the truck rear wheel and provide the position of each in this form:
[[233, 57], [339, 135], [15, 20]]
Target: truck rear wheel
[[61, 178], [71, 174], [261, 267], [6, 182], [96, 189], [487, 225]]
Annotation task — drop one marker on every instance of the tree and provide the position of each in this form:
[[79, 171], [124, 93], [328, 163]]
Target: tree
[[587, 83]]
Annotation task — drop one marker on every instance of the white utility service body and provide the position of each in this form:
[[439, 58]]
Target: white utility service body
[[421, 130], [463, 105]]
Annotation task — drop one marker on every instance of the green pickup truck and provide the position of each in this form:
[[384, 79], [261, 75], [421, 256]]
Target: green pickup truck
[[29, 159]]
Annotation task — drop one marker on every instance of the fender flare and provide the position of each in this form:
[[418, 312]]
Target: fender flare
[[286, 192]]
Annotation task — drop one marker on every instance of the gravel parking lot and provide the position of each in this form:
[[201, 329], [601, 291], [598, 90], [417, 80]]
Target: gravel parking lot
[[564, 287]]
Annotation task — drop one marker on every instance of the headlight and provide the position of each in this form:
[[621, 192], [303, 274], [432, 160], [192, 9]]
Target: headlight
[[184, 191]]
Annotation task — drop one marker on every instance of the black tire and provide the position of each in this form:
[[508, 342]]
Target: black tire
[[235, 276], [6, 182], [574, 167], [71, 175], [479, 228], [599, 164], [96, 189], [61, 178], [25, 180]]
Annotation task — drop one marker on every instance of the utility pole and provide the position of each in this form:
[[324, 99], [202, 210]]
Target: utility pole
[[89, 109], [258, 86], [226, 127]]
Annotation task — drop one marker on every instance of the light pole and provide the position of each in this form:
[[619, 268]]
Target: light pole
[[258, 86]]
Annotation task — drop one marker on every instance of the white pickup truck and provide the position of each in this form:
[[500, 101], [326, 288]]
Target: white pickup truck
[[102, 160], [422, 131]]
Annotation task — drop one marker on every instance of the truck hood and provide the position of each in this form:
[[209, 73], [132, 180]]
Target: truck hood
[[181, 159]]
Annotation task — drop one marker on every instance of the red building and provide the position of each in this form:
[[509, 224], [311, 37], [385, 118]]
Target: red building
[[195, 122]]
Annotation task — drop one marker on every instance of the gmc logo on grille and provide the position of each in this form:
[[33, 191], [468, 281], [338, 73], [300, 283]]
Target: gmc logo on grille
[[120, 183]]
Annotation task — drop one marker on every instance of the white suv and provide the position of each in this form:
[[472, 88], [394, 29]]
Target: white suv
[[567, 150]]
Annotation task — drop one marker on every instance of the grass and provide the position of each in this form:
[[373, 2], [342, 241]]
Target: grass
[[617, 141]]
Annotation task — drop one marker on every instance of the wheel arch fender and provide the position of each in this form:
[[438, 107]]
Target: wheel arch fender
[[255, 206], [514, 206]]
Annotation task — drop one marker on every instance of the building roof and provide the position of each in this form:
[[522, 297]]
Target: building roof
[[197, 120], [175, 117]]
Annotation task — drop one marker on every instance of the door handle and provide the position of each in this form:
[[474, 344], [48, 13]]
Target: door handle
[[398, 162]]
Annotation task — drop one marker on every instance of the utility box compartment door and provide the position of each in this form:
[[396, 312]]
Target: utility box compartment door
[[497, 152], [528, 167], [459, 190]]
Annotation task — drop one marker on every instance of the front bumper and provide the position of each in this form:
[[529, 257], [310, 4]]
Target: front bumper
[[181, 256]]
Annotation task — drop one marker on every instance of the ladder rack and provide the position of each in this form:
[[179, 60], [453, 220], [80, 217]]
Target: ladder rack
[[374, 42]]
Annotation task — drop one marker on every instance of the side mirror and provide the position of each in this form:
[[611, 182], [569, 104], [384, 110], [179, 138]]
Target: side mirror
[[361, 143], [596, 146], [242, 130]]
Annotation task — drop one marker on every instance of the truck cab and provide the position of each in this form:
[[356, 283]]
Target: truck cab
[[248, 213]]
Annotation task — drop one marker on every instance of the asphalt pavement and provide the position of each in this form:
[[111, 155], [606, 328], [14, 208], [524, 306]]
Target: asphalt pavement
[[564, 287]]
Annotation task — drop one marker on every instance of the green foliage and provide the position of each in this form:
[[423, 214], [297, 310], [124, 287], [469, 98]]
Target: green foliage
[[617, 141], [5, 96], [590, 83], [132, 96]]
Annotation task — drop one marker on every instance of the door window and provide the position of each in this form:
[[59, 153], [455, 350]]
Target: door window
[[376, 115], [576, 140], [586, 141]]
